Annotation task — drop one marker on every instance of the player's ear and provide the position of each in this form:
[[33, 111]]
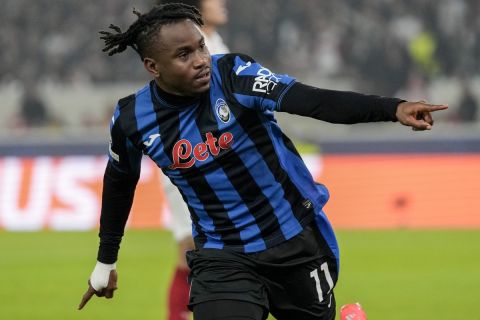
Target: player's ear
[[151, 66]]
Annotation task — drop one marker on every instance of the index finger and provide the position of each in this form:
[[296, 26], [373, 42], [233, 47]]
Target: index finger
[[86, 297], [433, 107]]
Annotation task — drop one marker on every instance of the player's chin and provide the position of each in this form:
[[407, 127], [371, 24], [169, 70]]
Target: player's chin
[[199, 88]]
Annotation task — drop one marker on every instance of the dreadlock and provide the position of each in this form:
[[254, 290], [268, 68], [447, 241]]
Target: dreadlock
[[195, 3], [139, 35]]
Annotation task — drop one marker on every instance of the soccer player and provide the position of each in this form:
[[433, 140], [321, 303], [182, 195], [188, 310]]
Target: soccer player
[[263, 243], [214, 15]]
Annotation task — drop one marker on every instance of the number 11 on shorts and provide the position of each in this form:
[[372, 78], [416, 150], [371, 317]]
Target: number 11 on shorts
[[328, 277]]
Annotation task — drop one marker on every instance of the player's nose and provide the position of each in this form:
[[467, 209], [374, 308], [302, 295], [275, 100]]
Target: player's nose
[[201, 60]]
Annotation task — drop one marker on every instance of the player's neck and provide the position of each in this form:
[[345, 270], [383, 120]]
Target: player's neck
[[174, 98]]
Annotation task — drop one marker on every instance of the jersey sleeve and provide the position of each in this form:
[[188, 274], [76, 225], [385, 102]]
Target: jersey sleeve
[[119, 183], [255, 86], [338, 106], [122, 154]]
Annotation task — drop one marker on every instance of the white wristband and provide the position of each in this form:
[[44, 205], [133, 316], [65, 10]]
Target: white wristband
[[100, 275]]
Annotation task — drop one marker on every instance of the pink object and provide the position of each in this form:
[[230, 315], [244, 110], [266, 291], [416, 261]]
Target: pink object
[[352, 311]]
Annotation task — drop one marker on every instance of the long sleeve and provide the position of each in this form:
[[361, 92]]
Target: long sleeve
[[119, 183], [337, 106], [117, 199]]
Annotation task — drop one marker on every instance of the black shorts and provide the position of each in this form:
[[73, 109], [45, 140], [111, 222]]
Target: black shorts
[[293, 280]]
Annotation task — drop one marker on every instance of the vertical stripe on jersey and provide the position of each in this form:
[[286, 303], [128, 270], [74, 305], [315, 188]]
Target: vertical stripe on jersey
[[192, 183], [315, 191], [202, 222], [204, 184], [248, 208], [252, 179], [289, 210], [128, 120], [169, 129], [263, 177], [256, 131], [148, 126], [295, 165], [125, 129], [252, 123]]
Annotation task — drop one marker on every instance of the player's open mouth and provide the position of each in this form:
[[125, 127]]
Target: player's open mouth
[[203, 77]]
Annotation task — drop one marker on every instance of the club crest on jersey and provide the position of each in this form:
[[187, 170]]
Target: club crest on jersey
[[223, 111]]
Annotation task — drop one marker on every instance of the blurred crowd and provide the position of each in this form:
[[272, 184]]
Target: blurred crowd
[[387, 47], [57, 40], [380, 43]]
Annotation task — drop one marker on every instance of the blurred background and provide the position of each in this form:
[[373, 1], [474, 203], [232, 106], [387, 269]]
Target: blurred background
[[56, 83], [58, 91]]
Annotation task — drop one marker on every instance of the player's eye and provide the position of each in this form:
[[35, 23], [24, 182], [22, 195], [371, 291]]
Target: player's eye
[[183, 55]]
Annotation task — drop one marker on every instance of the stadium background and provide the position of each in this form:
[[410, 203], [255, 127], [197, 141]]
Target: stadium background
[[406, 204]]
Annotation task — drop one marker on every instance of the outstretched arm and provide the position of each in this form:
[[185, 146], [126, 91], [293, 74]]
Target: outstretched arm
[[350, 107]]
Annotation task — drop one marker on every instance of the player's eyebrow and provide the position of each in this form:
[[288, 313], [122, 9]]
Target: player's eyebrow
[[189, 47]]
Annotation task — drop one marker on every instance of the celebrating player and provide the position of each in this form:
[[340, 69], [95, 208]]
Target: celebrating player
[[263, 243]]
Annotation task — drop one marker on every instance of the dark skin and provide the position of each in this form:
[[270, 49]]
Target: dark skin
[[417, 114], [181, 65], [106, 292]]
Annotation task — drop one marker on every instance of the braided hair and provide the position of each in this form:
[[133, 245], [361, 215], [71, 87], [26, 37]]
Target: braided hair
[[140, 35], [195, 3]]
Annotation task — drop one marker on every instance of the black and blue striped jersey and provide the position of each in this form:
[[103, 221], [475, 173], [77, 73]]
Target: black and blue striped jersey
[[246, 186]]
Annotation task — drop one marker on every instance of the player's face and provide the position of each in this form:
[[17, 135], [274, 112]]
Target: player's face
[[214, 12], [180, 60]]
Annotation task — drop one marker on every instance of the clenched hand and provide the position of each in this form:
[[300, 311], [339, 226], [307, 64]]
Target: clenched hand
[[106, 292]]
